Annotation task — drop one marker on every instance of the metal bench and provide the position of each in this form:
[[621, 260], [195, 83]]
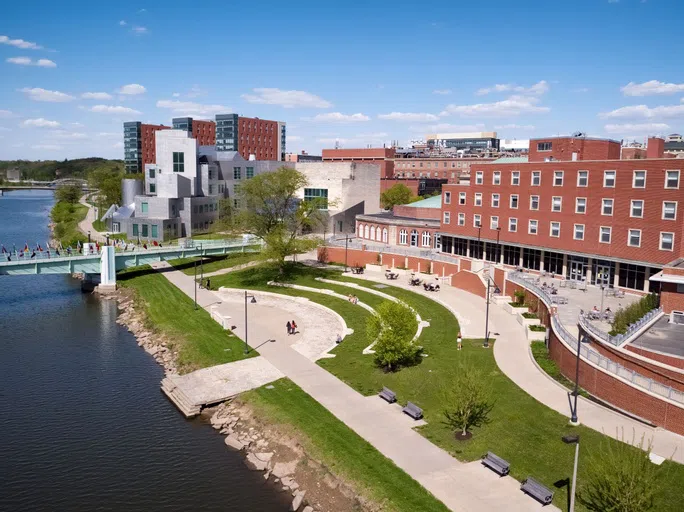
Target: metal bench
[[496, 464], [413, 410], [536, 490], [388, 395]]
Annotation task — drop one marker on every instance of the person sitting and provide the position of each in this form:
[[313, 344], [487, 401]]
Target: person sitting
[[608, 310], [594, 309]]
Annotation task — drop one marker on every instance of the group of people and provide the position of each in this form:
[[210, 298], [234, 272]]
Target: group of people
[[550, 289], [596, 314], [353, 299], [291, 327]]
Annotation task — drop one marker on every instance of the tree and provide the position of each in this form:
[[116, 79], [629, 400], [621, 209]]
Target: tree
[[392, 330], [68, 194], [621, 478], [397, 194], [269, 208], [468, 401]]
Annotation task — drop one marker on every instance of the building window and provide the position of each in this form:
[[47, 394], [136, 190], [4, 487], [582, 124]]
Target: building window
[[249, 172], [634, 239], [155, 233], [557, 178], [447, 217], [536, 178], [515, 178], [426, 238], [556, 203], [671, 179], [534, 202], [639, 179], [544, 146], [372, 233], [178, 162], [605, 235], [479, 178], [637, 209], [461, 198], [153, 188], [609, 179], [495, 200], [669, 210], [384, 235], [135, 230], [532, 227], [478, 199], [237, 173], [555, 229], [144, 207], [366, 232], [319, 195], [496, 178], [461, 219], [447, 198], [145, 230], [579, 232], [403, 237], [666, 241], [512, 224], [581, 205], [477, 221], [607, 207], [414, 238], [582, 178], [151, 174], [493, 222]]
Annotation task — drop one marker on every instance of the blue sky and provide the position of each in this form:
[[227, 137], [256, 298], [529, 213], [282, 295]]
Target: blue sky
[[358, 72]]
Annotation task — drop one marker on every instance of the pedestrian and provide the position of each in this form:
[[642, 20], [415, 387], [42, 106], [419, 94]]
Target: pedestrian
[[459, 341], [208, 285], [289, 328], [294, 327]]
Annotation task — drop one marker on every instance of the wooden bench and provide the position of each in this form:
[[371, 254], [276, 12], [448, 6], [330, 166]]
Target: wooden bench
[[496, 464], [388, 395], [536, 490], [413, 410], [357, 270]]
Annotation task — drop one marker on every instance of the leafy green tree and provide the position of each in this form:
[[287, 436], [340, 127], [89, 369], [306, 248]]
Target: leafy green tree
[[392, 330], [68, 194], [270, 209], [468, 401], [621, 478], [397, 194]]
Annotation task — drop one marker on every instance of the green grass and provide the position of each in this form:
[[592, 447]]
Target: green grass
[[213, 263], [347, 455], [100, 226], [66, 217], [543, 359], [199, 340], [215, 236]]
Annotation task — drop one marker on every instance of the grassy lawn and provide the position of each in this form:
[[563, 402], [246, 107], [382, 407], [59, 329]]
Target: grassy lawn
[[215, 236], [541, 356], [199, 340], [213, 263], [66, 217], [347, 455]]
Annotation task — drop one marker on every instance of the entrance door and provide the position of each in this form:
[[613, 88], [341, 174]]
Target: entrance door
[[577, 270], [602, 275], [414, 238]]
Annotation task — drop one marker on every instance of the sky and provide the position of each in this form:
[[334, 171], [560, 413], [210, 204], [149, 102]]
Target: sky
[[356, 72]]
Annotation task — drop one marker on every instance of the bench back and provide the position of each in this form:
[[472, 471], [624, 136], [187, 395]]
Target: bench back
[[413, 407], [497, 459]]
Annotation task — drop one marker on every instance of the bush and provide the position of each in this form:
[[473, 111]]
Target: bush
[[516, 304], [537, 328], [529, 315], [519, 296], [632, 313], [393, 327]]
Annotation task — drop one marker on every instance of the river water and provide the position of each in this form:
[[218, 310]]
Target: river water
[[83, 423]]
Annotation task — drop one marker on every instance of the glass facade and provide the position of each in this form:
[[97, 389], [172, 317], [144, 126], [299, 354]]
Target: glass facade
[[226, 132], [133, 147], [283, 140], [318, 194], [182, 123], [178, 162]]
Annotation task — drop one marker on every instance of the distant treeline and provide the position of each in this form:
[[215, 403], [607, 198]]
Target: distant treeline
[[47, 170]]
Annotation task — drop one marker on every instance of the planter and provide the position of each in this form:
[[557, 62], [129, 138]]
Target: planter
[[534, 335], [527, 321], [375, 268], [501, 299], [514, 310]]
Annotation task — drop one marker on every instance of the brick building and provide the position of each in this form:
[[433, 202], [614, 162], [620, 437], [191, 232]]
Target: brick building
[[139, 145], [568, 212], [203, 131], [261, 138], [384, 157]]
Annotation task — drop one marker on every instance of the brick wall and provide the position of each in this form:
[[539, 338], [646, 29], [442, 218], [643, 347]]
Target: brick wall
[[412, 184], [444, 269], [355, 257], [562, 149], [677, 362], [500, 279], [670, 299], [469, 282], [406, 210]]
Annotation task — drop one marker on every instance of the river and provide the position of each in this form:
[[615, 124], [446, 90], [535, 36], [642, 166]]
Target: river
[[83, 423]]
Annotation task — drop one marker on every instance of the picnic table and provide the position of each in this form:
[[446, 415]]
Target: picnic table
[[391, 275], [357, 270]]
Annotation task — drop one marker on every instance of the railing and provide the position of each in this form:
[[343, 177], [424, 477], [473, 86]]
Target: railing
[[517, 277], [415, 252], [620, 339]]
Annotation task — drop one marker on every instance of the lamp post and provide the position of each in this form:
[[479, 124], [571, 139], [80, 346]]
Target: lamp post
[[573, 439], [498, 250], [479, 229], [88, 236], [253, 301], [573, 405], [486, 340], [603, 287], [195, 285]]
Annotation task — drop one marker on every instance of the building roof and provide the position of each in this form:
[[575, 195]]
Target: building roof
[[430, 202], [509, 160]]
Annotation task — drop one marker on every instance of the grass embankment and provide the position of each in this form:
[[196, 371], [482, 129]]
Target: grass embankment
[[522, 430], [66, 217], [199, 340], [346, 454], [213, 263], [543, 359]]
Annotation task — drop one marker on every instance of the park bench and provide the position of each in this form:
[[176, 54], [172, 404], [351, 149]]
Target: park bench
[[496, 464], [536, 490], [413, 410], [388, 395], [391, 275], [357, 270]]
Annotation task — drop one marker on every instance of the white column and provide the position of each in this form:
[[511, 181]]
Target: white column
[[616, 277], [565, 264], [108, 266], [521, 257], [590, 261], [468, 248], [541, 261], [484, 251]]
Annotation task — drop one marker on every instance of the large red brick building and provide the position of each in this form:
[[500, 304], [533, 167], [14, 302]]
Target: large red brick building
[[259, 137], [149, 152]]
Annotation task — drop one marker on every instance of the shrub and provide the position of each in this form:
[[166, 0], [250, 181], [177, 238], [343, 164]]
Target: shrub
[[393, 327], [632, 313], [537, 328], [519, 296], [529, 315]]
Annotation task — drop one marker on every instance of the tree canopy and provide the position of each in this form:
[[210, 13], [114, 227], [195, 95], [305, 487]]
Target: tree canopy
[[467, 400], [392, 330], [397, 194], [68, 194]]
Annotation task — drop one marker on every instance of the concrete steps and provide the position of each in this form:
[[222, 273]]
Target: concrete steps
[[176, 395]]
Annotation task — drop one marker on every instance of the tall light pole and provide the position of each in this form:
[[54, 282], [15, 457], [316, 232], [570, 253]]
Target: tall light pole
[[573, 407], [486, 340], [253, 301], [498, 251], [573, 439], [479, 229], [195, 284]]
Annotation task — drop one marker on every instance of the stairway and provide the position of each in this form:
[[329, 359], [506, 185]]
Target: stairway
[[180, 399]]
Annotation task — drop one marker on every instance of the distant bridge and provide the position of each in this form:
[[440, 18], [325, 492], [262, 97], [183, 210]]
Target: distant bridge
[[45, 185]]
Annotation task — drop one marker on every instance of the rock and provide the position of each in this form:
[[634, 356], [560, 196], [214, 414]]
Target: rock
[[282, 469], [297, 501], [287, 481], [308, 508], [265, 457], [234, 442], [294, 486], [255, 464], [267, 475]]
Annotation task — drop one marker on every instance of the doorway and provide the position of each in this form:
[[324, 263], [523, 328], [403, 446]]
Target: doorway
[[577, 271]]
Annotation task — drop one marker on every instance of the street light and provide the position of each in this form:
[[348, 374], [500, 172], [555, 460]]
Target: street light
[[498, 251], [88, 236], [195, 284], [486, 340], [573, 407], [253, 301], [573, 439]]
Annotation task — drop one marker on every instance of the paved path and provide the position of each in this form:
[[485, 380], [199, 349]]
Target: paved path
[[460, 486], [87, 224], [513, 357]]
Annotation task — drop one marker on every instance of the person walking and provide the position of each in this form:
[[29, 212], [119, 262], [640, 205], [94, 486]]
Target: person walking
[[289, 328], [459, 341], [294, 327]]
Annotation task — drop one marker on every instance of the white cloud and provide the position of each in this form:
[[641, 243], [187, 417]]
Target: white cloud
[[96, 96], [66, 135], [514, 126], [4, 114], [338, 117], [20, 43], [50, 147], [447, 127], [645, 112], [513, 106], [139, 30], [38, 94], [118, 145], [142, 10], [287, 99], [3, 129], [636, 128], [39, 123], [537, 89], [132, 89], [442, 92], [650, 88], [192, 108], [294, 138], [113, 109], [122, 23], [26, 61], [581, 89], [409, 116], [176, 95]]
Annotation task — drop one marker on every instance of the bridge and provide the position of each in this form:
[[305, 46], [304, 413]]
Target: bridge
[[110, 260], [44, 185]]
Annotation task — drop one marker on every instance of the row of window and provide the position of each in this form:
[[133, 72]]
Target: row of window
[[237, 173], [637, 206], [406, 165], [144, 230], [370, 233], [609, 178], [205, 208]]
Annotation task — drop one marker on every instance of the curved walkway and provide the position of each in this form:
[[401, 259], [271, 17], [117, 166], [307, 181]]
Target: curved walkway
[[513, 357], [86, 225]]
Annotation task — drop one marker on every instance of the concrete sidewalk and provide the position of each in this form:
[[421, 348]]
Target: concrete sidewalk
[[86, 224], [460, 486]]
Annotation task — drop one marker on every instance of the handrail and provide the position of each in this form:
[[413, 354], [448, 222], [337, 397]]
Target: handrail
[[620, 339], [416, 252]]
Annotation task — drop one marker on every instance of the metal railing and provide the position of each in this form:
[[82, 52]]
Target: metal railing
[[517, 277], [620, 339], [416, 252]]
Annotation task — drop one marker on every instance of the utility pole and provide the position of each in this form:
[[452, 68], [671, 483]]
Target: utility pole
[[486, 340], [573, 439], [195, 285]]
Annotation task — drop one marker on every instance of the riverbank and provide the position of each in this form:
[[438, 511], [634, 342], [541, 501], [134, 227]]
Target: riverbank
[[64, 226]]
